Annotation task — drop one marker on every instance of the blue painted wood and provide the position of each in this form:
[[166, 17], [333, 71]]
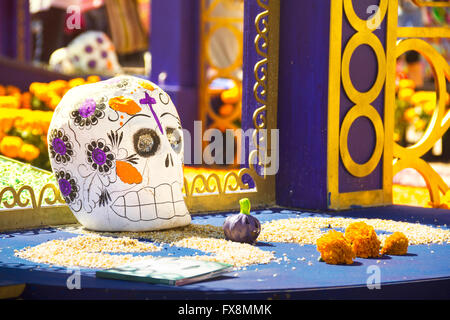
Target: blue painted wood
[[429, 279], [174, 44], [303, 101]]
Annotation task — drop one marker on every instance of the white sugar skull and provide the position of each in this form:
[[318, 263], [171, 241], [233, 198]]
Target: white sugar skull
[[93, 52], [116, 150]]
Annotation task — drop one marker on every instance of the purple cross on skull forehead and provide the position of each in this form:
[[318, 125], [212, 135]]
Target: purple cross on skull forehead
[[150, 102]]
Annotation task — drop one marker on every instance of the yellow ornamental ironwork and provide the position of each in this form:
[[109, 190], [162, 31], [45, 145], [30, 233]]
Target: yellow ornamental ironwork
[[339, 76], [410, 157], [385, 148]]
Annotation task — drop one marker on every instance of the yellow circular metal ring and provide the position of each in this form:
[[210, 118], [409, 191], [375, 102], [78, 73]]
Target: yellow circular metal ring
[[363, 25], [356, 169], [354, 95], [440, 120]]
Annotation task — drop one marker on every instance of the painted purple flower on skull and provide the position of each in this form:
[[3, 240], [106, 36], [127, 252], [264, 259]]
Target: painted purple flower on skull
[[99, 156], [61, 148], [67, 185], [88, 113]]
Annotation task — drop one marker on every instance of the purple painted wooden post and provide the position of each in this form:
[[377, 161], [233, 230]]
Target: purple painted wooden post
[[174, 44], [15, 40], [302, 103]]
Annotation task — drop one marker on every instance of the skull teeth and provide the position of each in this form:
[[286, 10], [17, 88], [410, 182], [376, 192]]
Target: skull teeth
[[163, 202]]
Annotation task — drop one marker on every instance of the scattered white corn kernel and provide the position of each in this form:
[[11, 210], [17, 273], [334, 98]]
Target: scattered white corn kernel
[[94, 250]]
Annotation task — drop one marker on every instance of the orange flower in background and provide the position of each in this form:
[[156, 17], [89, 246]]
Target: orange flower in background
[[76, 82], [363, 239], [334, 248], [423, 96], [420, 124], [406, 83], [53, 100], [10, 146], [26, 100], [2, 90], [57, 86], [34, 121], [36, 87], [92, 79], [395, 244], [410, 114], [12, 102], [226, 110], [28, 152], [230, 96], [429, 107], [405, 94], [12, 90], [6, 122]]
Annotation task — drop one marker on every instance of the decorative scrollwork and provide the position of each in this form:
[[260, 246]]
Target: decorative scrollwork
[[260, 71], [56, 195], [212, 183], [23, 201]]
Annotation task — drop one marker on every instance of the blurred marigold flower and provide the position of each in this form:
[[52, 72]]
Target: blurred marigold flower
[[405, 94], [12, 102], [429, 107], [10, 146], [76, 82], [409, 115], [420, 124], [406, 83], [93, 78], [226, 110], [28, 152], [230, 96]]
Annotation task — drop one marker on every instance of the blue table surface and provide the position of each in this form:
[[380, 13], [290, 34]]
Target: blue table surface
[[423, 262]]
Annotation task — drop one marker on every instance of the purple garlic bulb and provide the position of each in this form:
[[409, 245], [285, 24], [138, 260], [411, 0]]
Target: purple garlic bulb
[[242, 227]]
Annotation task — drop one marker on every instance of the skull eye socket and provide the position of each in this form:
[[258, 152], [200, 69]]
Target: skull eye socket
[[146, 142], [174, 137]]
